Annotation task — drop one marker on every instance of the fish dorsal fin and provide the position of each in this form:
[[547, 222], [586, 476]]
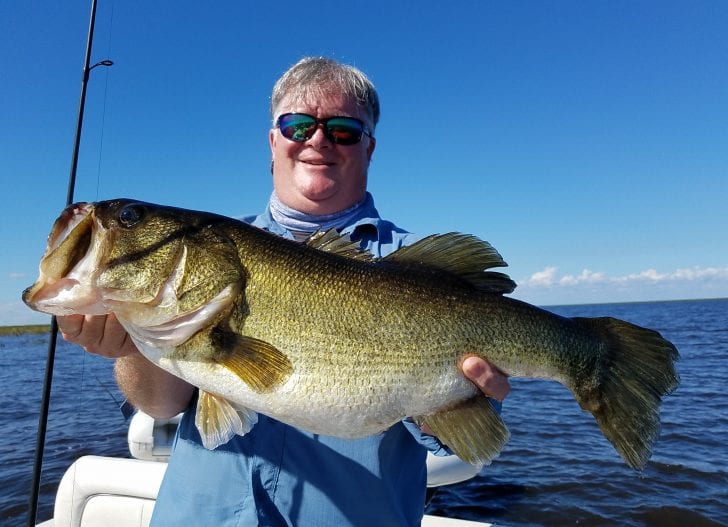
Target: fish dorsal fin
[[333, 242], [461, 254]]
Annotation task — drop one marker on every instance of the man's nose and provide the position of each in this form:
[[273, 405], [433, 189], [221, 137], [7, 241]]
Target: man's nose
[[319, 139]]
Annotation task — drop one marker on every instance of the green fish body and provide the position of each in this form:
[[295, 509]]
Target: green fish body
[[329, 339]]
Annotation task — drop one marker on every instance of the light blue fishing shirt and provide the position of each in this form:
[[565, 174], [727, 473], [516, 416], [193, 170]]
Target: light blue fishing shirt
[[280, 475]]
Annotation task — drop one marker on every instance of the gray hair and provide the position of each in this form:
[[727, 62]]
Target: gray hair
[[321, 77]]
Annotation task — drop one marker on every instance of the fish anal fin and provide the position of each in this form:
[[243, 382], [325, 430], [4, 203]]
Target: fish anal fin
[[218, 421], [257, 363], [472, 429], [461, 254]]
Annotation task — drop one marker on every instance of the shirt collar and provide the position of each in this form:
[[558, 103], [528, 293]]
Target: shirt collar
[[367, 221]]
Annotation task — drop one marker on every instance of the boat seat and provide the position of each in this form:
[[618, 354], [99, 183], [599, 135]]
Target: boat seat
[[151, 439], [100, 491]]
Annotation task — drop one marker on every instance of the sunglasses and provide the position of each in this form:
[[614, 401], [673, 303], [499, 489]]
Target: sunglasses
[[340, 130]]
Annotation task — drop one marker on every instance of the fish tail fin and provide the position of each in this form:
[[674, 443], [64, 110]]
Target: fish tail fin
[[638, 369]]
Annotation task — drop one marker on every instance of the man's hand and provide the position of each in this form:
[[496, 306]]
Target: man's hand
[[489, 379], [148, 387], [98, 334]]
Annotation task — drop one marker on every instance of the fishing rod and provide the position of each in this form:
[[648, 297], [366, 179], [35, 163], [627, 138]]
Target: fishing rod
[[50, 360]]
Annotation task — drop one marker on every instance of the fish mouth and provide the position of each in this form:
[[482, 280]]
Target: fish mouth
[[63, 286], [73, 226]]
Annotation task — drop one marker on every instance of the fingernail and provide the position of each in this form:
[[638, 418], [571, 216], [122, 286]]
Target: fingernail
[[476, 368]]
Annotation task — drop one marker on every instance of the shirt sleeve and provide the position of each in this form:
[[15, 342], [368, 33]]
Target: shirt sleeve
[[430, 442]]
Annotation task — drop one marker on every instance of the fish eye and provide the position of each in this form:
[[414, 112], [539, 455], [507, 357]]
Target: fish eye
[[130, 215]]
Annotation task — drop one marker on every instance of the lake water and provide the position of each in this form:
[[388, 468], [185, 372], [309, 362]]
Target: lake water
[[557, 469]]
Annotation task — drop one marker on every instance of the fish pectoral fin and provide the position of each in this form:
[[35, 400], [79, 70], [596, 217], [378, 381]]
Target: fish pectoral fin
[[259, 364], [218, 421], [472, 429]]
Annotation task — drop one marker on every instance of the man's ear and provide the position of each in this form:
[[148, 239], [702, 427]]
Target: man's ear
[[371, 147], [272, 139]]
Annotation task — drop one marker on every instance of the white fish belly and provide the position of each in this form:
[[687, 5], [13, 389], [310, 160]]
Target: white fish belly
[[344, 408]]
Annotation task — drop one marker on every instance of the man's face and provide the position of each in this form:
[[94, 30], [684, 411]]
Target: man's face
[[318, 176]]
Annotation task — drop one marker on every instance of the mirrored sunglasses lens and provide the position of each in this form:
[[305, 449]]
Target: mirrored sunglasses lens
[[297, 127], [344, 131]]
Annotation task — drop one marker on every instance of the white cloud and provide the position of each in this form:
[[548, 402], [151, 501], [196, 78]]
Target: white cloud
[[16, 276], [549, 277], [586, 276], [543, 278], [688, 275], [549, 287]]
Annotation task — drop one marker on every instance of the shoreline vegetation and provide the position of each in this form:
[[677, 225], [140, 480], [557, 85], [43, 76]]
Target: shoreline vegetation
[[31, 329]]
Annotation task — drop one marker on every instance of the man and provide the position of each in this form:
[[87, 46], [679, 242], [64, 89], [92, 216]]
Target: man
[[322, 141]]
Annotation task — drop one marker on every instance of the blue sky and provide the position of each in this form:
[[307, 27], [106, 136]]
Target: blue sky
[[587, 141]]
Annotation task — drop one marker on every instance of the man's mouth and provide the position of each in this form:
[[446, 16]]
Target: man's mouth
[[317, 162]]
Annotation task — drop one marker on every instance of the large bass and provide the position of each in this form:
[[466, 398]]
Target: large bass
[[327, 338]]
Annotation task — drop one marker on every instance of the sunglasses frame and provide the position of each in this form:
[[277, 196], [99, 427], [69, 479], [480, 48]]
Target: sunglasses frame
[[324, 123]]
